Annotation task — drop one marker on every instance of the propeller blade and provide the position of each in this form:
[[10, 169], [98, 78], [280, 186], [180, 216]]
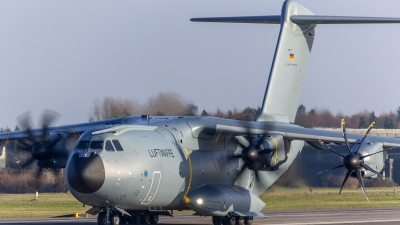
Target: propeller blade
[[24, 120], [26, 149], [263, 152], [48, 117], [365, 135], [55, 171], [27, 163], [239, 143], [329, 148], [344, 181], [243, 168], [38, 172], [365, 166], [261, 141], [365, 156], [359, 177], [256, 175], [336, 167], [24, 144], [345, 135], [54, 142]]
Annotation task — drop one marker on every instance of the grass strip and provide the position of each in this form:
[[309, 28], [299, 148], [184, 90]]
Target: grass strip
[[275, 198]]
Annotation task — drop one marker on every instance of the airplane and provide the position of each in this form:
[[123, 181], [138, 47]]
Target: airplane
[[133, 169]]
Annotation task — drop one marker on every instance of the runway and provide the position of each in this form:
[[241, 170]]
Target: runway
[[386, 216]]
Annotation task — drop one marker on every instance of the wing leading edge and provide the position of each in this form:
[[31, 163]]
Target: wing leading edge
[[294, 132]]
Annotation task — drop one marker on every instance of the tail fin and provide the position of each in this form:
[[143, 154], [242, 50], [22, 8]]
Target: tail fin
[[292, 52]]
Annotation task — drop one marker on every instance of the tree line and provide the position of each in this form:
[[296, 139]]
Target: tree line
[[172, 104], [360, 120]]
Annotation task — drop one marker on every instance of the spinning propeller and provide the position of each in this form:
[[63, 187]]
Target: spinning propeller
[[41, 147], [252, 153], [353, 161]]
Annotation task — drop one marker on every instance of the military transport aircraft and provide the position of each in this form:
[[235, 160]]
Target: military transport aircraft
[[133, 169]]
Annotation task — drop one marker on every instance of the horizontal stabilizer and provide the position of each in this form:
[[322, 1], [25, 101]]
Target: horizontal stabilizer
[[316, 19], [241, 19], [300, 19]]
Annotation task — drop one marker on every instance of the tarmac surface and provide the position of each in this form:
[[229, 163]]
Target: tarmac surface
[[384, 216]]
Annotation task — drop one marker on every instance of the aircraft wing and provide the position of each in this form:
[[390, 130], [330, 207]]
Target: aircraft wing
[[295, 132], [71, 129]]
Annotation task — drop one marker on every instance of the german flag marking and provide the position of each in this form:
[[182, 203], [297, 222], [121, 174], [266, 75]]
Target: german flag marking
[[291, 57]]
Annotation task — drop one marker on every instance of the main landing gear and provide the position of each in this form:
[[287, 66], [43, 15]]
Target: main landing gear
[[232, 220], [116, 218]]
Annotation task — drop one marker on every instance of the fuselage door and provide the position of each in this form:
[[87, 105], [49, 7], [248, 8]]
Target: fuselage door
[[155, 183]]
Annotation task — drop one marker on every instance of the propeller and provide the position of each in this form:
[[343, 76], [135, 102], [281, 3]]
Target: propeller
[[40, 147], [353, 161], [252, 152]]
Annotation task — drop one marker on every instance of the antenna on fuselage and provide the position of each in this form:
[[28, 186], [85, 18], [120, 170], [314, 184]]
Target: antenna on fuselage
[[146, 117]]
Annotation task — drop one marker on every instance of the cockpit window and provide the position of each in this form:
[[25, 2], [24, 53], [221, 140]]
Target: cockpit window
[[83, 145], [117, 145], [96, 145], [109, 146]]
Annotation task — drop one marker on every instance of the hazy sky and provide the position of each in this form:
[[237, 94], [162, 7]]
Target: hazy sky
[[62, 55]]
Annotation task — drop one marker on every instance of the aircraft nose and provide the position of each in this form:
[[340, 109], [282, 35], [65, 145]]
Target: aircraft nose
[[86, 174]]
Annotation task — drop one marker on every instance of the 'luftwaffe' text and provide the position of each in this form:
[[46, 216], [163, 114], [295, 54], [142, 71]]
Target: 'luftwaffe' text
[[161, 153]]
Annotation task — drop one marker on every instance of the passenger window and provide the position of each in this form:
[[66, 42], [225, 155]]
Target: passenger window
[[83, 145], [109, 146], [117, 145], [96, 145]]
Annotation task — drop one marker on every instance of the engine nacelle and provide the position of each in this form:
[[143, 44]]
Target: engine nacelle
[[376, 161], [276, 149]]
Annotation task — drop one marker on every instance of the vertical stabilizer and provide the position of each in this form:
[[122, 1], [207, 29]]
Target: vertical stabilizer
[[292, 52], [289, 66]]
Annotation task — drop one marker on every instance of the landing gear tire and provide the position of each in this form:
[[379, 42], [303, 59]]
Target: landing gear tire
[[239, 220], [114, 219], [102, 219], [153, 219], [135, 220], [216, 220], [146, 219], [248, 220], [230, 220], [124, 220]]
